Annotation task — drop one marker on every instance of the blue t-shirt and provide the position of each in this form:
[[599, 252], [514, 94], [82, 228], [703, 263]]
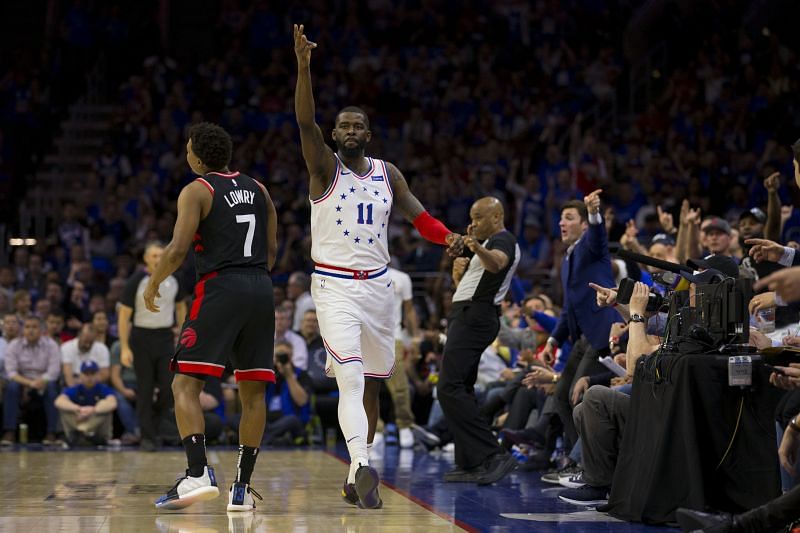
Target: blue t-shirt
[[86, 397]]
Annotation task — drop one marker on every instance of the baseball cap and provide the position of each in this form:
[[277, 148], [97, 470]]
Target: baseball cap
[[756, 213], [715, 268], [89, 367], [662, 238], [720, 224]]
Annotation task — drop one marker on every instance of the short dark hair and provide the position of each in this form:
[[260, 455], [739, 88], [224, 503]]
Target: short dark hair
[[580, 206], [350, 109], [211, 144]]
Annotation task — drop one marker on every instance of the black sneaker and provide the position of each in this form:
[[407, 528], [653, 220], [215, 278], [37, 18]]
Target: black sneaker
[[586, 495], [349, 494], [497, 467], [367, 481], [461, 475], [691, 520]]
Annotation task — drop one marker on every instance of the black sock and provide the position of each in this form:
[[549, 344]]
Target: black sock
[[195, 446], [245, 463]]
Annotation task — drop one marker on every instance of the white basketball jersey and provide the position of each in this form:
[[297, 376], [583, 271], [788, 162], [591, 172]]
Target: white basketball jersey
[[350, 221]]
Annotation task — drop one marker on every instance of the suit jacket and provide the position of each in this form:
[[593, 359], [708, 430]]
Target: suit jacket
[[590, 261]]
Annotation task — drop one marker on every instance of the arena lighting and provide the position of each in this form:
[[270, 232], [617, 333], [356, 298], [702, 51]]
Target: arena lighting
[[19, 241]]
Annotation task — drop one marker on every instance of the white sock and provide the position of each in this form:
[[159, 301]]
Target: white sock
[[352, 417]]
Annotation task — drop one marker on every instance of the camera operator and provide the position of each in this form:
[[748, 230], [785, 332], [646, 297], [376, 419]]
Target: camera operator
[[288, 400]]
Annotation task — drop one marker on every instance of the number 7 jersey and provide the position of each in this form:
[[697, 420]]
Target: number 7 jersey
[[234, 233], [350, 221]]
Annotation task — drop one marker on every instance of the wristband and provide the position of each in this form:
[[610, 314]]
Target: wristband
[[431, 229]]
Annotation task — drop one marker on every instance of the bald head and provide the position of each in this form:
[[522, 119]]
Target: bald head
[[487, 217]]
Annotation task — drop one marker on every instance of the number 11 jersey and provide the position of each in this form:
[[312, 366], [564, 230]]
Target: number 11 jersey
[[234, 233], [350, 221]]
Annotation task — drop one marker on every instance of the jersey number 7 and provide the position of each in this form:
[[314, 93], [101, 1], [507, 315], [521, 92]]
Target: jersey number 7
[[250, 220]]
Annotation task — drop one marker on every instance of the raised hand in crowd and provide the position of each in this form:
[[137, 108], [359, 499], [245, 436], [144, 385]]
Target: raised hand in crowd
[[665, 219], [689, 216], [629, 240], [773, 182], [786, 213], [592, 201], [511, 312], [785, 282], [765, 250]]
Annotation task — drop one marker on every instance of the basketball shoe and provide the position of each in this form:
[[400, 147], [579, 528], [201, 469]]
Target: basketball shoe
[[367, 481], [349, 494], [189, 490], [240, 497]]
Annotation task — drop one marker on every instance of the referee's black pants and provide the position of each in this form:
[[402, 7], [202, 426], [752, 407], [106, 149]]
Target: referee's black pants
[[152, 351], [472, 327]]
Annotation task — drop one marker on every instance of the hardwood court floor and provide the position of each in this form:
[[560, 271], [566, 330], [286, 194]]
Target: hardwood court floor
[[113, 491], [102, 491]]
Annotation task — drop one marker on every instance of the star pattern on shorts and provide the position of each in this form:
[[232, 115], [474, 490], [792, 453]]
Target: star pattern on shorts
[[352, 189], [338, 208], [357, 240], [346, 233], [339, 222], [371, 240], [344, 196]]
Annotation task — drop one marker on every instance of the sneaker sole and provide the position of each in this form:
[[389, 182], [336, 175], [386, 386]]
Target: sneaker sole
[[241, 508], [197, 495], [585, 504], [367, 490], [550, 480]]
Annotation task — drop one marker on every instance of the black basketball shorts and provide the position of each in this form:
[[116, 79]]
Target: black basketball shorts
[[232, 317]]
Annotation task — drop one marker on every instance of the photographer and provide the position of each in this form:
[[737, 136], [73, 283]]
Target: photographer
[[288, 400]]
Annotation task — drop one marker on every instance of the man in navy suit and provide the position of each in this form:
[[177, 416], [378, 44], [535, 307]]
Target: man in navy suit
[[588, 260]]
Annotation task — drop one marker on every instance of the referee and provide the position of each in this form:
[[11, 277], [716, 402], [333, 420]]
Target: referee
[[150, 343], [481, 284]]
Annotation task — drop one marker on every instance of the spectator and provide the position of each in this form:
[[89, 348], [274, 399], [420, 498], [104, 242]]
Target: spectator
[[288, 400], [10, 332], [22, 304], [297, 290], [84, 347], [33, 367], [283, 319], [86, 408], [101, 324], [55, 327], [123, 380]]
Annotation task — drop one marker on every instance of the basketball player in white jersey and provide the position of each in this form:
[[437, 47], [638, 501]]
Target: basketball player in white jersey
[[351, 200]]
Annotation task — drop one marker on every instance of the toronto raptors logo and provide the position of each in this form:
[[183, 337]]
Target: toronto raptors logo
[[188, 337]]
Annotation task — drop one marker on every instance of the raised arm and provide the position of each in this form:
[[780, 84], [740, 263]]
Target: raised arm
[[320, 161], [772, 229]]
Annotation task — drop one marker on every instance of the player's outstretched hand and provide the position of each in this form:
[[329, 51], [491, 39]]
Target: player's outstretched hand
[[150, 294], [455, 244], [302, 46]]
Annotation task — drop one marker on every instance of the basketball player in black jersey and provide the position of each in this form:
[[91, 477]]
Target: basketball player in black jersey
[[231, 221]]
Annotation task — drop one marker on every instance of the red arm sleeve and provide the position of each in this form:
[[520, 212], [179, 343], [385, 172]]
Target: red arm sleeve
[[431, 229]]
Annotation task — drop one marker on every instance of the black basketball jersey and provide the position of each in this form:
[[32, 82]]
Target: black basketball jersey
[[234, 233]]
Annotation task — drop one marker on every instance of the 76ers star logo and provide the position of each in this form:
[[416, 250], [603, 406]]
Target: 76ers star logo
[[188, 337]]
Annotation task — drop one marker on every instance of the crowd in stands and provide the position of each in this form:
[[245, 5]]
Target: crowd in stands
[[694, 174]]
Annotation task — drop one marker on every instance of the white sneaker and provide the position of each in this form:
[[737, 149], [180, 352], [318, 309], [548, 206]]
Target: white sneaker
[[378, 439], [189, 490], [574, 481], [406, 438], [240, 497]]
